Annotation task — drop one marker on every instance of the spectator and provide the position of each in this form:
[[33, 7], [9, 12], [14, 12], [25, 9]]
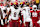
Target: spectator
[[37, 3]]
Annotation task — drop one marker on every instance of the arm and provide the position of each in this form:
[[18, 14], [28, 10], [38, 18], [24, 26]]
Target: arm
[[2, 23], [1, 18], [7, 16], [23, 16], [20, 16], [8, 13]]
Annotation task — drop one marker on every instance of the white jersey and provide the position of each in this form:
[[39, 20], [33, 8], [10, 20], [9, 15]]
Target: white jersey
[[15, 13], [27, 11], [26, 14]]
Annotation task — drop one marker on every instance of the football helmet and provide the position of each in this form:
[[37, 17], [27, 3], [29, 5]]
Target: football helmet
[[15, 3], [34, 7], [21, 3]]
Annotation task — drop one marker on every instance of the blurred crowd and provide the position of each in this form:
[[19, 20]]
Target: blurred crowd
[[11, 3]]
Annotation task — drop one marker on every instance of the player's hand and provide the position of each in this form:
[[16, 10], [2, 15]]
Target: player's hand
[[38, 21], [24, 24], [2, 24], [20, 21]]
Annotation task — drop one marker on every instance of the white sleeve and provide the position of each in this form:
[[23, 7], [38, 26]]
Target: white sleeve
[[38, 21], [24, 15]]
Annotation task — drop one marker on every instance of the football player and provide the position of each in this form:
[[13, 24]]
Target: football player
[[8, 13], [34, 15], [21, 6], [14, 16], [26, 16]]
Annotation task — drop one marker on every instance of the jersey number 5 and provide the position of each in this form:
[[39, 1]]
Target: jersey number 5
[[14, 14]]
